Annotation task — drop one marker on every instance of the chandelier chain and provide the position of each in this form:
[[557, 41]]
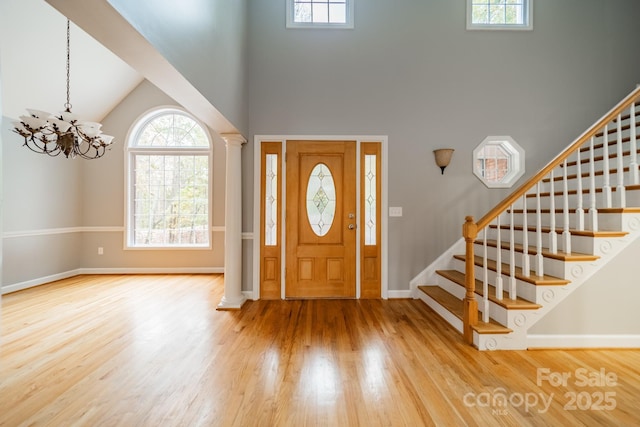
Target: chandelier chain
[[67, 106]]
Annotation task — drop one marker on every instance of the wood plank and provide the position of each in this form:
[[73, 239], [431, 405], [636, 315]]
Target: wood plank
[[152, 350]]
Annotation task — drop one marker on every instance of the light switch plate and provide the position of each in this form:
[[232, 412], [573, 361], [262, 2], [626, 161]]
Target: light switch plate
[[395, 211]]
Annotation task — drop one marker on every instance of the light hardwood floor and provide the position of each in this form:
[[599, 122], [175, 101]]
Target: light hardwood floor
[[153, 351]]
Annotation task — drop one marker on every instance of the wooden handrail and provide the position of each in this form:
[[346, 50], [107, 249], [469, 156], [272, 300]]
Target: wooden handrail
[[513, 197]]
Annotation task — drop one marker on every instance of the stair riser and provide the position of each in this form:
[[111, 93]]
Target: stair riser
[[632, 198], [606, 222], [524, 290], [599, 165], [580, 244], [509, 318], [443, 312], [552, 267], [611, 221], [613, 137], [599, 182]]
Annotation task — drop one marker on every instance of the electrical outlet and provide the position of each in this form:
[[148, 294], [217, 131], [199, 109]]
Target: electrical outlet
[[100, 250]]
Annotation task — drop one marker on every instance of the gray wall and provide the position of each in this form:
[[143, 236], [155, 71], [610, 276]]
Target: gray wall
[[411, 71], [606, 304], [205, 41], [40, 193], [103, 196], [1, 197], [43, 193]]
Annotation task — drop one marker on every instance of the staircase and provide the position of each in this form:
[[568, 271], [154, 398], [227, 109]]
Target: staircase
[[545, 239]]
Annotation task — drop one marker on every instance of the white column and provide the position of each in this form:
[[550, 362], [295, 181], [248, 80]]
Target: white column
[[233, 298]]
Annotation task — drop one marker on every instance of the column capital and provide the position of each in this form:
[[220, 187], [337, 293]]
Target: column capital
[[233, 139]]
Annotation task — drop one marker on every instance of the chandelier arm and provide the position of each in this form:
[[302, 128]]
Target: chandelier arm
[[41, 149]]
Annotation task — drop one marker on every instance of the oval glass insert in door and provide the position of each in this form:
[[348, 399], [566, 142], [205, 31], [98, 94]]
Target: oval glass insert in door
[[321, 199]]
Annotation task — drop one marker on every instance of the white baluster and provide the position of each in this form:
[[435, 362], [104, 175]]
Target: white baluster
[[512, 256], [579, 192], [620, 190], [485, 280], [498, 261], [539, 258], [553, 235], [606, 189], [633, 166], [566, 233], [593, 211], [526, 266]]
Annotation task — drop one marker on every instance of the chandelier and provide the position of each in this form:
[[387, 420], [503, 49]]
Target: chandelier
[[51, 134]]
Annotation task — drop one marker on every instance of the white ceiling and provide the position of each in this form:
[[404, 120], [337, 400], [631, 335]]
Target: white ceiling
[[33, 64]]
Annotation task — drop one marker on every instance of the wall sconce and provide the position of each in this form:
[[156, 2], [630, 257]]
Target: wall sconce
[[443, 157]]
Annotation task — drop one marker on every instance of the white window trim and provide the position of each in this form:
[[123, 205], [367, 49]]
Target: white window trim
[[527, 26], [130, 151], [516, 161], [348, 25]]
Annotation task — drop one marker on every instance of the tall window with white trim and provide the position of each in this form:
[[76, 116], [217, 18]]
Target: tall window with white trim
[[168, 182]]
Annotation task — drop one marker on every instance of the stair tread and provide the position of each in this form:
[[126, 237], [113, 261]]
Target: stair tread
[[533, 279], [587, 233], [459, 278], [532, 250], [620, 210], [454, 306]]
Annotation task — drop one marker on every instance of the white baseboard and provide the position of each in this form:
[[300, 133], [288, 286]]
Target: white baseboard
[[399, 294], [154, 270], [37, 282], [48, 279], [583, 341]]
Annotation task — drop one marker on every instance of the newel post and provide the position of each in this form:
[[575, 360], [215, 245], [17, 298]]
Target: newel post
[[470, 304]]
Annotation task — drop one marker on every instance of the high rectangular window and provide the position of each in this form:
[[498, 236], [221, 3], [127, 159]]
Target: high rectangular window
[[499, 15], [320, 13]]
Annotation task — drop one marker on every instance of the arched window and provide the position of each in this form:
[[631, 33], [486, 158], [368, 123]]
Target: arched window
[[168, 181]]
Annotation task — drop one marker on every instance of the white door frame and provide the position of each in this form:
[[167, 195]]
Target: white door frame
[[257, 165]]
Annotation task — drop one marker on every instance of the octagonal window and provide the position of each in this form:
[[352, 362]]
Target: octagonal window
[[498, 161]]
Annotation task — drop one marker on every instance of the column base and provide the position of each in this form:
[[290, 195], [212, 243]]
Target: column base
[[227, 304]]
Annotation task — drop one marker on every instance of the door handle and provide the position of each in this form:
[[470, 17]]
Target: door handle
[[351, 226]]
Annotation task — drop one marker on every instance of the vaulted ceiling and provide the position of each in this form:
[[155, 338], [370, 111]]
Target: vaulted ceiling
[[105, 65], [33, 69]]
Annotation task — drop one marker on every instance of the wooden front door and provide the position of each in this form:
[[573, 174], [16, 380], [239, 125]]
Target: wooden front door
[[321, 219]]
